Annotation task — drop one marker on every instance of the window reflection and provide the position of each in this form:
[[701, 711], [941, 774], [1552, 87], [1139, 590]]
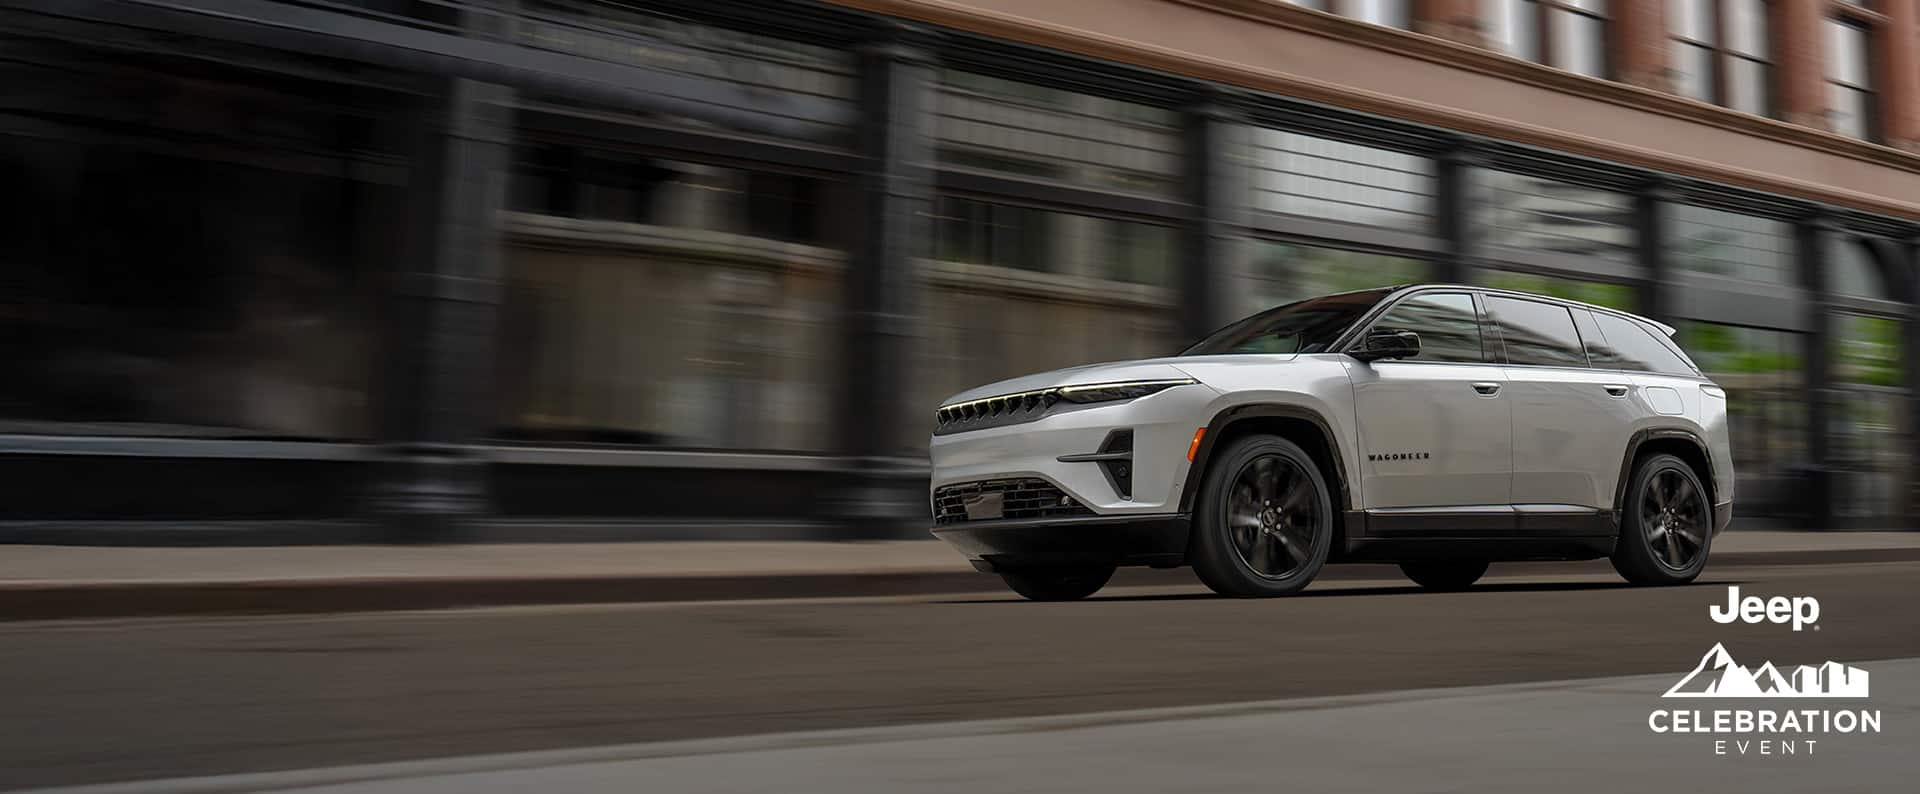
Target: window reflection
[[1762, 372], [986, 233], [668, 303], [1320, 178], [1280, 273], [1538, 214], [1721, 243], [1849, 88], [1448, 326], [993, 124]]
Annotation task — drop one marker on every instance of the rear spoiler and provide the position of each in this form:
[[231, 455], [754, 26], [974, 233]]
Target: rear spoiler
[[1664, 328]]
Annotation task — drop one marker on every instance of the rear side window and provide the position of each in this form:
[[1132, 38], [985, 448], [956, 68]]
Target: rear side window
[[1448, 327], [1537, 333], [1632, 346]]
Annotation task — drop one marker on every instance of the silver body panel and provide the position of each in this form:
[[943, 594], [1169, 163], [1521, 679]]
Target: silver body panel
[[1412, 437]]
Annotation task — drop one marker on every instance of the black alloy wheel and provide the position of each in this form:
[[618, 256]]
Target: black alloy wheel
[[1667, 526], [1265, 519]]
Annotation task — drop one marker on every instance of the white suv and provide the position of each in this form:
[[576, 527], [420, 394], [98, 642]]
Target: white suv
[[1437, 427]]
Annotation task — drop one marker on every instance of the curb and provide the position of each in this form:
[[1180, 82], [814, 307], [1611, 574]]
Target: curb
[[64, 601]]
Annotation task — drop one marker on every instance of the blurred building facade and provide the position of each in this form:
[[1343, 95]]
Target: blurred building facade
[[426, 262]]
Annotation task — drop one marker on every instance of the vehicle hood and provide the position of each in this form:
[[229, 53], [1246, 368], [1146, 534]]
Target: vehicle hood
[[1109, 372]]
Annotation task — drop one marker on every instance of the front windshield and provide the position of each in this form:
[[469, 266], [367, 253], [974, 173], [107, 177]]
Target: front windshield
[[1308, 326]]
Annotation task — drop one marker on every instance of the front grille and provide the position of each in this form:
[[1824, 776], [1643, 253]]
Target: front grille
[[1006, 409], [1026, 497]]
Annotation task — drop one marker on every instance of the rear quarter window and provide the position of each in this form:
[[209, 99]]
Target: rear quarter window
[[1633, 347]]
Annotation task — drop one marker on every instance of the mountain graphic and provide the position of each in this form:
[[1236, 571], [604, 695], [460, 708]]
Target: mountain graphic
[[1719, 676]]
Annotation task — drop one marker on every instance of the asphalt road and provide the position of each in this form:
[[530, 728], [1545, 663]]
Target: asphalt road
[[138, 699]]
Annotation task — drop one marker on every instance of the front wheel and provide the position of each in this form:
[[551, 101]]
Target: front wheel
[[1666, 524], [1059, 584], [1445, 576], [1264, 522]]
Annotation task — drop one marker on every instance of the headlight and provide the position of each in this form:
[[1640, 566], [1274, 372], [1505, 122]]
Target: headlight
[[1108, 392]]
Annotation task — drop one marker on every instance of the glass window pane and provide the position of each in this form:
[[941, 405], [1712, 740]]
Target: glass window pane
[[1612, 296], [739, 81], [1578, 43], [1691, 19], [1866, 351], [1852, 270], [1513, 27], [1546, 215], [1847, 109], [1320, 178], [1766, 408], [1281, 273], [1692, 70], [1747, 86], [1632, 346], [1449, 328], [1729, 244], [1536, 333], [1747, 27], [1000, 125], [682, 305], [1392, 13], [1846, 53]]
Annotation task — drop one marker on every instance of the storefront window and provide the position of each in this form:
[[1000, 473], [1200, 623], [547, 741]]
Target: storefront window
[[1013, 291], [1535, 214], [1720, 243], [1762, 372], [1280, 273], [1021, 129], [722, 78], [1004, 235], [1315, 177], [225, 287], [680, 304]]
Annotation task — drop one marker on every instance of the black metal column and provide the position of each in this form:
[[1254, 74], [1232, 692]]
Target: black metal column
[[886, 493], [1904, 261], [1650, 218], [1216, 195], [1453, 208], [443, 316], [1815, 234]]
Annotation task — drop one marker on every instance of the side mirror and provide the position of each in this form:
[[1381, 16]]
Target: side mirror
[[1386, 343]]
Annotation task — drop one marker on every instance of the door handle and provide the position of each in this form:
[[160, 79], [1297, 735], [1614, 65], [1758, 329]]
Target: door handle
[[1615, 389], [1487, 387]]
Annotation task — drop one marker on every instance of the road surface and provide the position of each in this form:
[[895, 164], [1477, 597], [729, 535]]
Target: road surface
[[100, 701]]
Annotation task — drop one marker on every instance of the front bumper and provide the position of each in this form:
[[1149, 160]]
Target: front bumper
[[1012, 544]]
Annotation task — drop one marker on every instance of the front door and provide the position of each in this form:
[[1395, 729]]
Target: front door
[[1435, 429]]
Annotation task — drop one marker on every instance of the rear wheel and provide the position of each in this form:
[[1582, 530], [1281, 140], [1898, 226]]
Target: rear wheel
[[1445, 575], [1059, 584], [1264, 521], [1666, 524]]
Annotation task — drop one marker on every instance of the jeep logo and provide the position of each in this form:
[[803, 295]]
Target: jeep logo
[[1801, 612], [1377, 456]]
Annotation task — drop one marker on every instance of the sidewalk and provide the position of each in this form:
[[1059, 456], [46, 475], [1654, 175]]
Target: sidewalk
[[45, 582]]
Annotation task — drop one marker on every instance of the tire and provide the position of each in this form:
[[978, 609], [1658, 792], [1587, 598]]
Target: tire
[[1059, 584], [1666, 524], [1288, 541], [1445, 575]]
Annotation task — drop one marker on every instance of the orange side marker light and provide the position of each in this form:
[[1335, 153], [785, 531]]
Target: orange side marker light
[[1194, 448]]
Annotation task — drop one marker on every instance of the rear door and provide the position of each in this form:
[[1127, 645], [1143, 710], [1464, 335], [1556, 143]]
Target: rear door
[[1570, 420], [1435, 429]]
